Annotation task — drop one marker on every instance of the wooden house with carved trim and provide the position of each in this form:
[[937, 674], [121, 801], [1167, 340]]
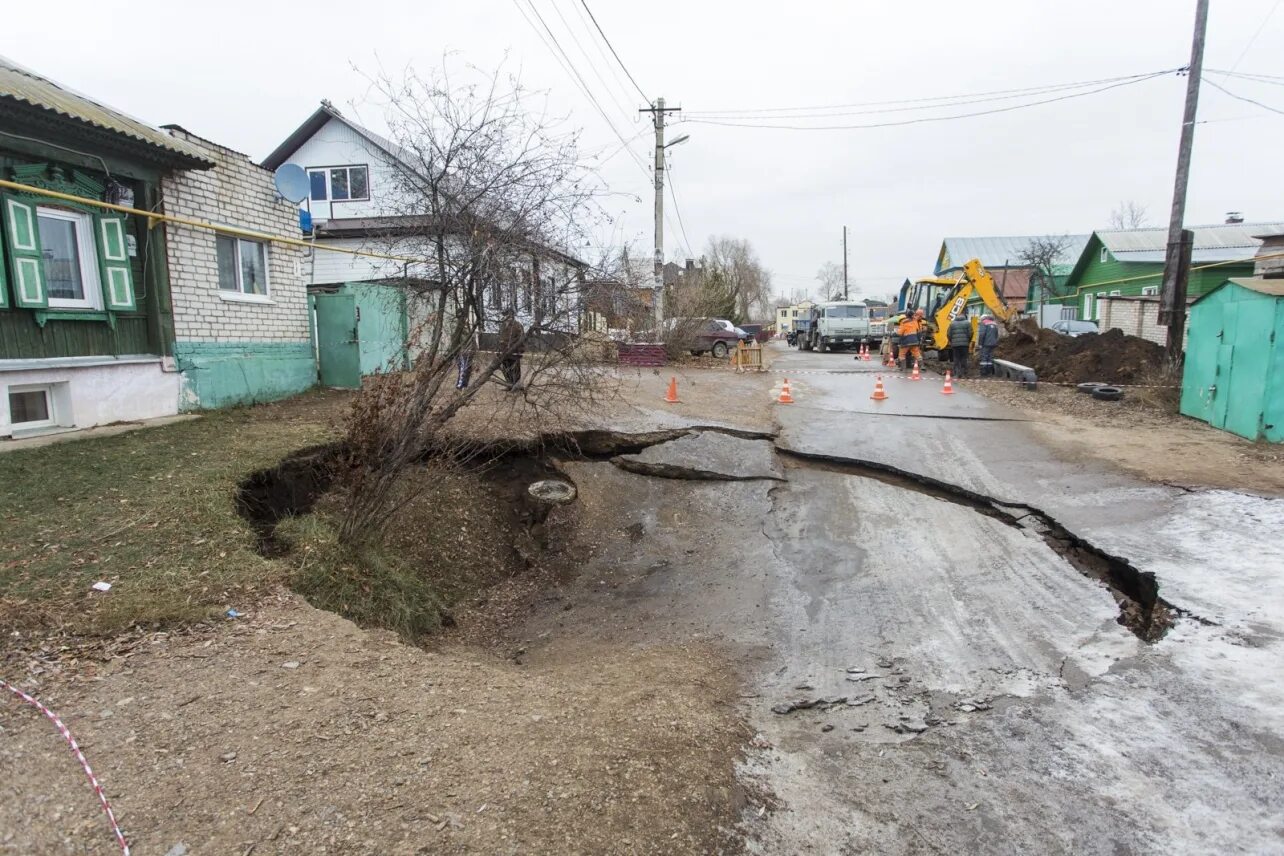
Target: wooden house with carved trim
[[88, 294]]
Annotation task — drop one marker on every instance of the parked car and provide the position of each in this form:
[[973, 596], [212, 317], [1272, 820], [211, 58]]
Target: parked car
[[1068, 327], [703, 335]]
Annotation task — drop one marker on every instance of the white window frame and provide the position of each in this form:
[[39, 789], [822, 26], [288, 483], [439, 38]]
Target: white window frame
[[1105, 255], [51, 405], [240, 294], [1114, 292], [1150, 291], [1089, 305], [329, 190], [87, 249]]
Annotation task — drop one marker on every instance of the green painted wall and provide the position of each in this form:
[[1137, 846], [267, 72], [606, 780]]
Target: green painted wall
[[22, 338], [381, 328], [223, 374], [140, 332], [1093, 270], [1234, 377]]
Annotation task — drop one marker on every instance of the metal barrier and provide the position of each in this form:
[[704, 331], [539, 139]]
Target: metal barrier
[[748, 358]]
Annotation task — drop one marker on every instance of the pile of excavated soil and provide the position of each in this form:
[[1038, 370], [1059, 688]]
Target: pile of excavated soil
[[1109, 357]]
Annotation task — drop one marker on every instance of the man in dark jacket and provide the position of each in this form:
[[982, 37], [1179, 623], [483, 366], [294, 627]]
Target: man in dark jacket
[[511, 347], [960, 338], [987, 337]]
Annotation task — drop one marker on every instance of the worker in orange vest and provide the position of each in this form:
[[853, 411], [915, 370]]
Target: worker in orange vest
[[911, 339]]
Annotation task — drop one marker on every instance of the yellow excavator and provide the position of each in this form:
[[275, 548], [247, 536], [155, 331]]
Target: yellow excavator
[[944, 299]]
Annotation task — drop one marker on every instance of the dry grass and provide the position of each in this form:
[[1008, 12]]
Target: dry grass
[[1160, 386], [150, 512]]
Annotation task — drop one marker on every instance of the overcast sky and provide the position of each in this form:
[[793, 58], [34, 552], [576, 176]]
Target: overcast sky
[[245, 74]]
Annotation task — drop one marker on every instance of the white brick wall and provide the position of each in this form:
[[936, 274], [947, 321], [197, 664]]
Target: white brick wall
[[237, 192], [1135, 316]]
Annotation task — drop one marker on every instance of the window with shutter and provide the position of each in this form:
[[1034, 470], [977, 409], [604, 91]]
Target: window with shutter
[[4, 279], [113, 257], [22, 245]]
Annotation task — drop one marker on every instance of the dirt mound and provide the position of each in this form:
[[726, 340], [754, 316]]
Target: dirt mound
[[1109, 357]]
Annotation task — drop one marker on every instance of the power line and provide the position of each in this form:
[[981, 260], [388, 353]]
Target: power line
[[592, 65], [921, 120], [673, 194], [1217, 85], [1255, 78], [994, 94], [613, 52], [569, 66], [613, 67], [1253, 40]]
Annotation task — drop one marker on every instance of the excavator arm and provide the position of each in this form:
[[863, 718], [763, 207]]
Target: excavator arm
[[989, 293], [975, 280]]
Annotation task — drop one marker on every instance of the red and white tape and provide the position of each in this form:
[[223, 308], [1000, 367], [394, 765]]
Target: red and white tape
[[80, 756]]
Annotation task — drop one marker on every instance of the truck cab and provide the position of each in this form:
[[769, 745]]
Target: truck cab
[[838, 325]]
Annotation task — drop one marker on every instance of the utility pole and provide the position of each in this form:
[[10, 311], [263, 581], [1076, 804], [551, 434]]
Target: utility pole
[[657, 111], [1172, 303], [844, 263]]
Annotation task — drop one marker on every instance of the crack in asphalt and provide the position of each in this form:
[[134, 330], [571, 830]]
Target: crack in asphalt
[[1141, 609], [681, 473]]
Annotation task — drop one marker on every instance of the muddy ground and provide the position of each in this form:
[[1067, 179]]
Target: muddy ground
[[1143, 438], [291, 730]]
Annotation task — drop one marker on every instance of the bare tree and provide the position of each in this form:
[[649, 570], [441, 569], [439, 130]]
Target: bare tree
[[490, 196], [1044, 254], [1128, 215], [830, 277], [732, 268]]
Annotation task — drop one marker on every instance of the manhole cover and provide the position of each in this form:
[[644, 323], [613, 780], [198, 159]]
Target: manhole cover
[[551, 490]]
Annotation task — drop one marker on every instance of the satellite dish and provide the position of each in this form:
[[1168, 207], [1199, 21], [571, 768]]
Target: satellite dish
[[292, 182]]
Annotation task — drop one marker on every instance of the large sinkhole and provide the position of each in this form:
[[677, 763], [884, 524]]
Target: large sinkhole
[[507, 470]]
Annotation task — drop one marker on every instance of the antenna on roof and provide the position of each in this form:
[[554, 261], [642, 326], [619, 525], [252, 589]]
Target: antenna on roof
[[292, 182]]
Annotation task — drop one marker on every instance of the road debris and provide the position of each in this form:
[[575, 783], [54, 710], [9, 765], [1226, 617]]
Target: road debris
[[821, 702]]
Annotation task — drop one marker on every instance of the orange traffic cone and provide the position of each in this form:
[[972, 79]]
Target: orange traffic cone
[[916, 375], [887, 359], [880, 394], [948, 389], [672, 395], [785, 396]]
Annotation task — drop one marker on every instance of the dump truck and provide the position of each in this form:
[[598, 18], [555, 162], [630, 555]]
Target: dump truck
[[838, 325]]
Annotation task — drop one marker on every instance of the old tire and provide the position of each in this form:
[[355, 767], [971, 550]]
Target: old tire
[[1089, 388], [1107, 393], [720, 350]]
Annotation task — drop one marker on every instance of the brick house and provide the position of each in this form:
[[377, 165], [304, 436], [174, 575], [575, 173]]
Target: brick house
[[241, 327], [109, 312]]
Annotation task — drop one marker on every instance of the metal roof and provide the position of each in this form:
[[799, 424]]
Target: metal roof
[[1199, 256], [21, 85], [1003, 251], [1220, 242], [1273, 287]]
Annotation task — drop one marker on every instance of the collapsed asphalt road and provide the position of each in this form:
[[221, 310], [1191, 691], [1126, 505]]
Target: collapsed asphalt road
[[927, 614]]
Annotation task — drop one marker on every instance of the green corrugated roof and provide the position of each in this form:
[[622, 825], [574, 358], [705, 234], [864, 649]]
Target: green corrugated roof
[[25, 86]]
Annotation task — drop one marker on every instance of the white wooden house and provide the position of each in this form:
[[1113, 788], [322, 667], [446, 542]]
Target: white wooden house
[[355, 202]]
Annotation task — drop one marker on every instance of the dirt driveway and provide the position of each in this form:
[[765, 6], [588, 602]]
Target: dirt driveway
[[290, 730], [1144, 440]]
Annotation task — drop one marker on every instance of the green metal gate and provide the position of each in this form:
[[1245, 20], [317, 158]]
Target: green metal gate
[[338, 348]]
